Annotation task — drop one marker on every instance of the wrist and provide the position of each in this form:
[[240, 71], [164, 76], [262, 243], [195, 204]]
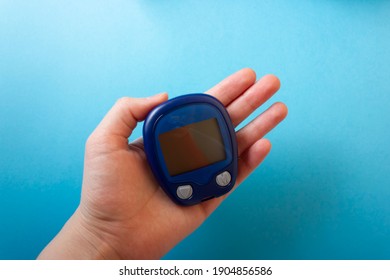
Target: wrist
[[77, 240]]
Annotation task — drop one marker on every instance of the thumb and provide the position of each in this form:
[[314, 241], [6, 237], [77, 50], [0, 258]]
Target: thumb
[[122, 118]]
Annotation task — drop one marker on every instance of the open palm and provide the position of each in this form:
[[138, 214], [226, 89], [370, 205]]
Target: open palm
[[123, 212]]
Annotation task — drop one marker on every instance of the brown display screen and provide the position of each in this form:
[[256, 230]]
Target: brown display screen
[[192, 146]]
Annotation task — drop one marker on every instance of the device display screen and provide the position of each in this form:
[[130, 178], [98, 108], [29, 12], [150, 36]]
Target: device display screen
[[192, 146]]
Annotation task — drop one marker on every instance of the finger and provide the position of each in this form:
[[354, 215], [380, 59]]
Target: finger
[[260, 126], [248, 162], [255, 96], [233, 86], [251, 158], [121, 120]]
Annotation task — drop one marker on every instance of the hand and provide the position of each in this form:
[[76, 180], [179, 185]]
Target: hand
[[123, 213]]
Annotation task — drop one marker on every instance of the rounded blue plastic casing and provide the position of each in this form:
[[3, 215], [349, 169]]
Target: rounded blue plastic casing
[[179, 112]]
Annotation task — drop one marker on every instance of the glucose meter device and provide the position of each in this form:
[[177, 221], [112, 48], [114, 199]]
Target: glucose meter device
[[191, 147]]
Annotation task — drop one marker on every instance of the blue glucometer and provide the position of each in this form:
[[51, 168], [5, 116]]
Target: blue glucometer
[[191, 147]]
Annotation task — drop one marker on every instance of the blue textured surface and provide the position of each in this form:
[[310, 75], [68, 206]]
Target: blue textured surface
[[324, 190]]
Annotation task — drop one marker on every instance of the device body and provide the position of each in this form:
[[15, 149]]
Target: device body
[[191, 147]]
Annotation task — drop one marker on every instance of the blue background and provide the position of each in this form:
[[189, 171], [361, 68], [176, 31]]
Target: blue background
[[322, 193]]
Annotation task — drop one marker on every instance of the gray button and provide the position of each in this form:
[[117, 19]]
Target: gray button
[[223, 179], [184, 192]]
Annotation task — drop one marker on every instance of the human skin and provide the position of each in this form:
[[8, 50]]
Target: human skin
[[123, 213]]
